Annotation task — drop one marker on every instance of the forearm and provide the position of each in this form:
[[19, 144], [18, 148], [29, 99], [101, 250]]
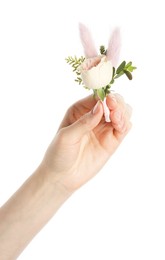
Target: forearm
[[27, 211]]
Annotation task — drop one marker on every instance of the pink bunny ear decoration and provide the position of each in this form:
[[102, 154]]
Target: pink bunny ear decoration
[[87, 42], [114, 47]]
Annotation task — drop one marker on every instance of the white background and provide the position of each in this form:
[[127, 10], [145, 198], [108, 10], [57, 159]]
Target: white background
[[119, 214]]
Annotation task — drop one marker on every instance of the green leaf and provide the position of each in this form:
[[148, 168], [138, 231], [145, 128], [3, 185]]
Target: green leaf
[[112, 81], [113, 73], [75, 62], [95, 93], [107, 89], [86, 87], [128, 74], [121, 67], [119, 75], [134, 68], [131, 68], [101, 93], [128, 64], [102, 50]]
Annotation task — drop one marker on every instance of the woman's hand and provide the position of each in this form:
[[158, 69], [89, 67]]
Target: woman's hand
[[84, 141], [82, 145]]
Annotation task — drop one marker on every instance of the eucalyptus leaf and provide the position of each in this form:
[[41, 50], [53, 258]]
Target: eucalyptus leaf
[[128, 64], [130, 68], [121, 67], [134, 68], [128, 74], [119, 75]]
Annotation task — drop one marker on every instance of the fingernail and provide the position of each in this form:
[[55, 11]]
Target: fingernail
[[96, 107], [117, 115]]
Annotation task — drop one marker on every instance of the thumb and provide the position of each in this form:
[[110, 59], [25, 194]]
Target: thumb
[[86, 123]]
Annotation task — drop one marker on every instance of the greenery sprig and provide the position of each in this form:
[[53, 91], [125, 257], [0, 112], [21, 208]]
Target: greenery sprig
[[123, 69], [75, 63], [103, 50]]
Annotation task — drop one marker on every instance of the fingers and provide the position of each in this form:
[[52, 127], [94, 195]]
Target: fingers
[[77, 110], [120, 115], [84, 124], [82, 118]]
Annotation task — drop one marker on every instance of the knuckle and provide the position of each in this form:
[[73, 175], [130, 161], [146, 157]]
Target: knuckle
[[62, 136]]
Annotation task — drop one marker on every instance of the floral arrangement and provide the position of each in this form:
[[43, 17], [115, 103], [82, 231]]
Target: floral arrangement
[[99, 71]]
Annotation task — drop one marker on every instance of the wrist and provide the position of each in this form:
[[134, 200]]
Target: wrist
[[53, 181]]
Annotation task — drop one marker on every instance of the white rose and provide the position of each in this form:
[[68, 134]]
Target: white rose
[[96, 72]]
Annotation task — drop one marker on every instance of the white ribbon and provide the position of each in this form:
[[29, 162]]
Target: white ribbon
[[106, 111]]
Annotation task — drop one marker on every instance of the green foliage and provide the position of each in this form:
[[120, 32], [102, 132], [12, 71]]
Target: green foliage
[[123, 69], [102, 50], [75, 63], [126, 69]]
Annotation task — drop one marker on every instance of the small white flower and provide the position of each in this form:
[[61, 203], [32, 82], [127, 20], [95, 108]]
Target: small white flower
[[96, 72]]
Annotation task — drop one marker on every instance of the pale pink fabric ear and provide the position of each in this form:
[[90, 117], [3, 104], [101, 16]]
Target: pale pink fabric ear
[[114, 47], [87, 42]]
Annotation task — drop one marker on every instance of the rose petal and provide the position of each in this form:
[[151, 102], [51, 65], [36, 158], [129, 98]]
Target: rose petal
[[96, 72]]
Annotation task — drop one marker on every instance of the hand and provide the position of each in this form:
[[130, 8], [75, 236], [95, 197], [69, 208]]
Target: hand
[[84, 141], [82, 145]]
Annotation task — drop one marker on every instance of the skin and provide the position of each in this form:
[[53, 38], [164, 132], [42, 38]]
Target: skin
[[82, 145]]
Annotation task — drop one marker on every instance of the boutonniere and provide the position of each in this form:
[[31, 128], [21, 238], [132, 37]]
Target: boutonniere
[[99, 71]]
